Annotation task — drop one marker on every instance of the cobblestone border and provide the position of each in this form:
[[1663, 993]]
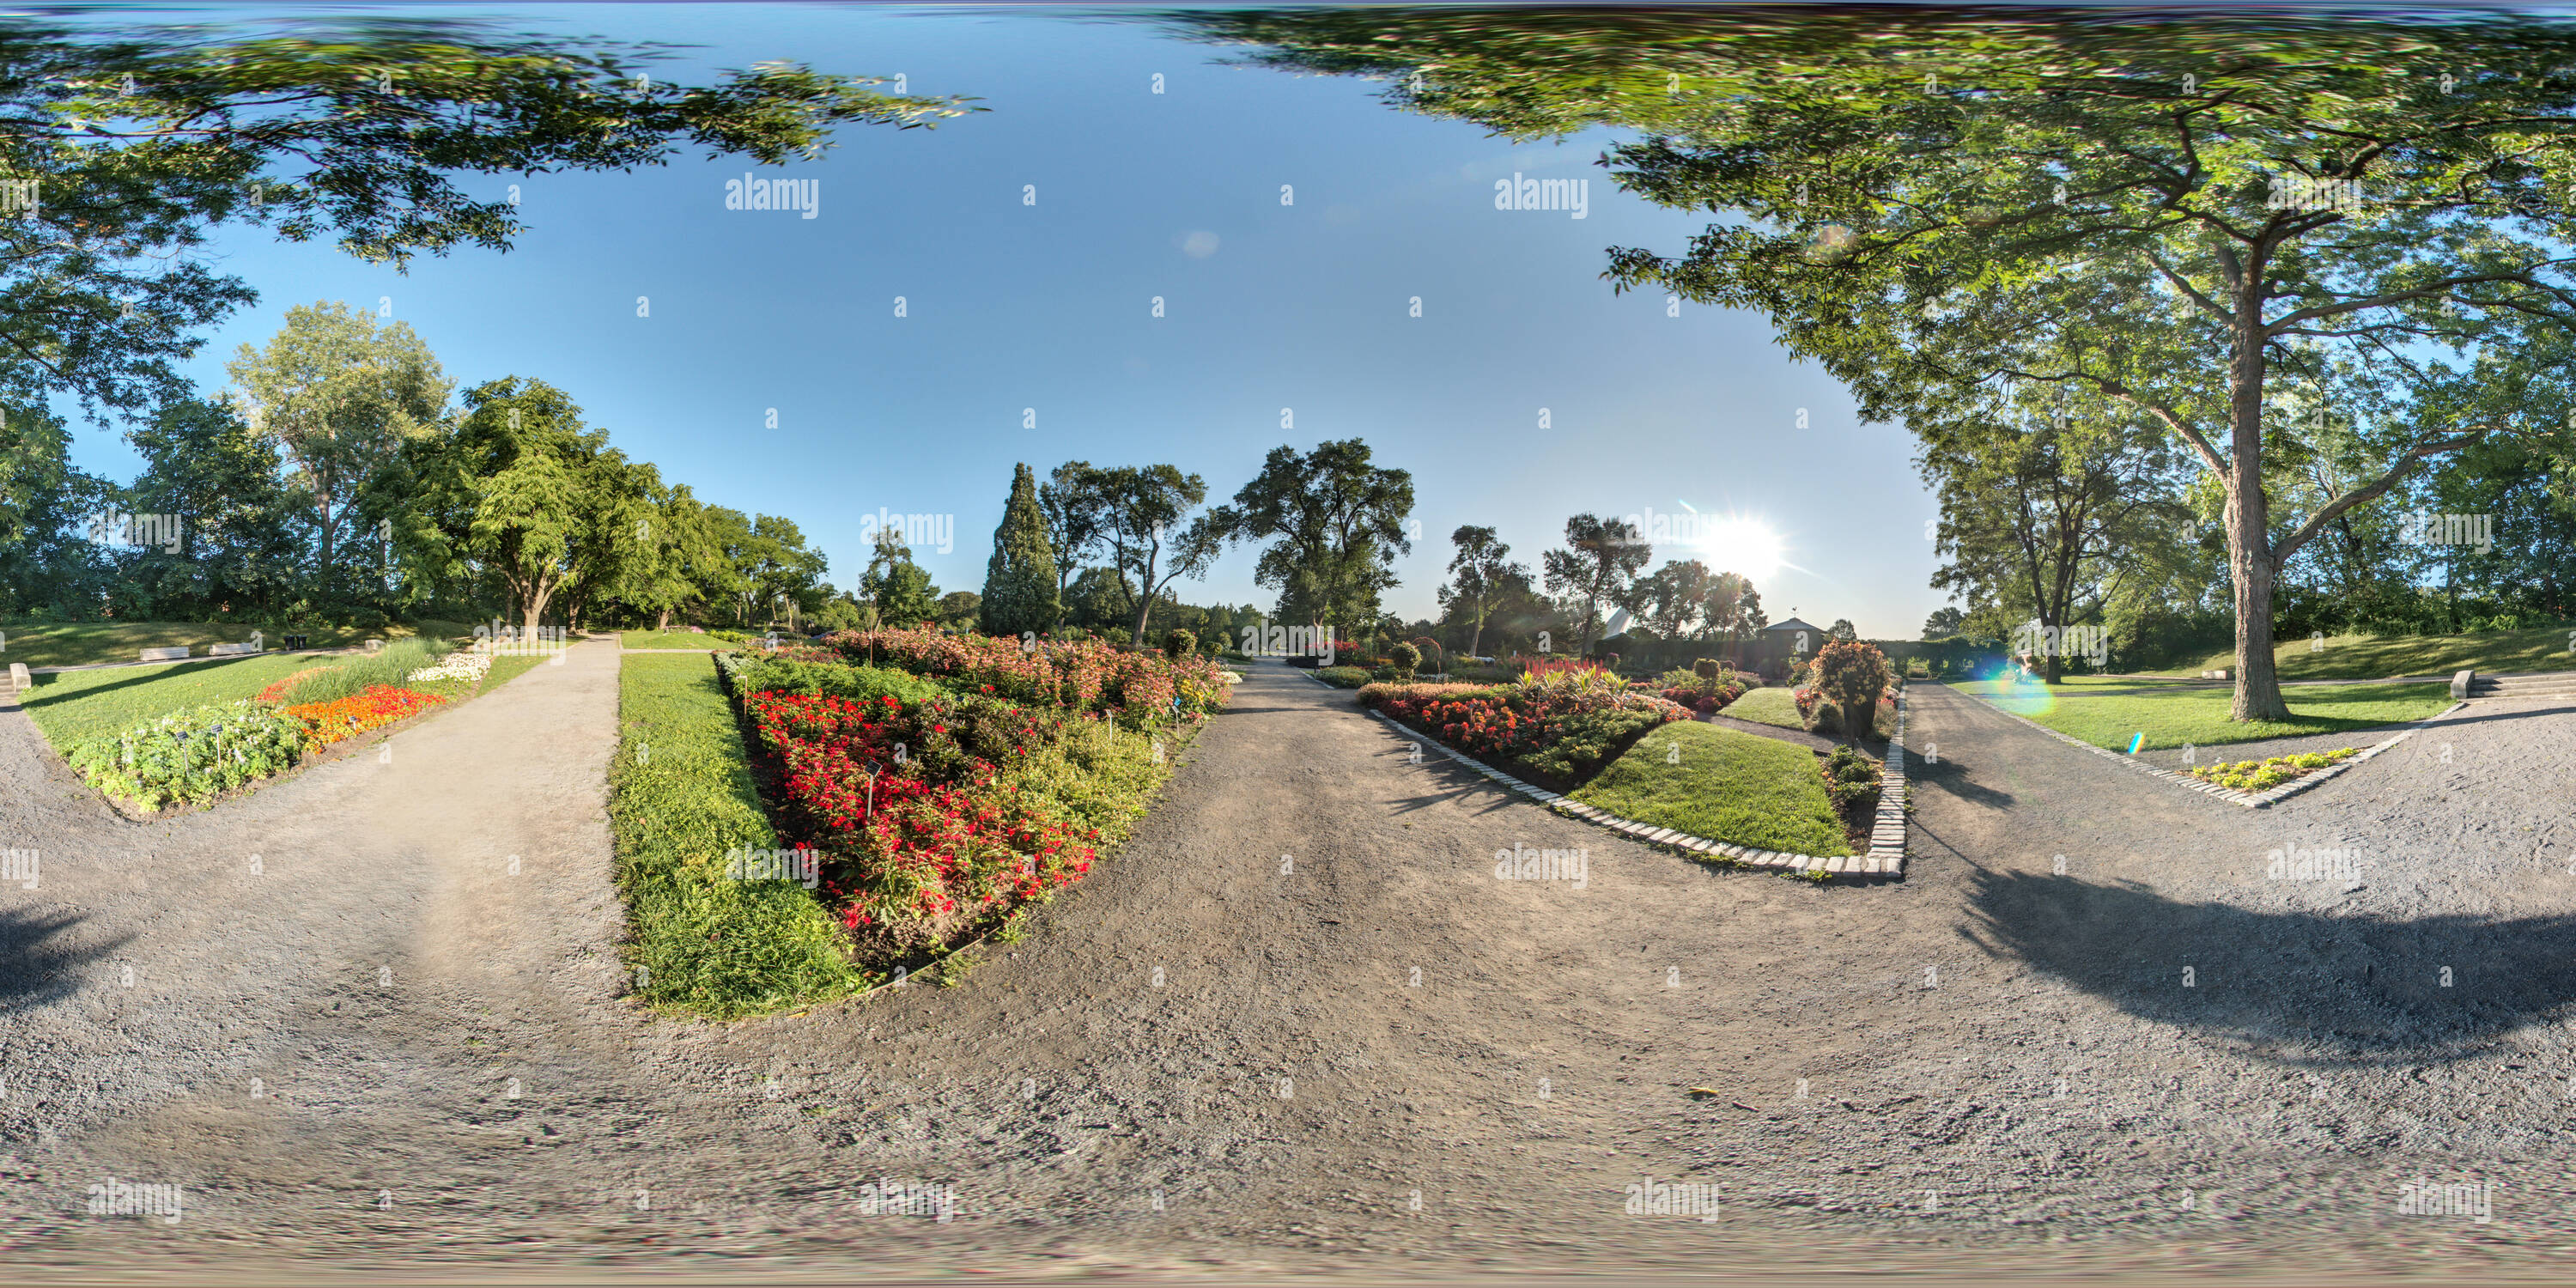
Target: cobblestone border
[[2250, 800], [1885, 859]]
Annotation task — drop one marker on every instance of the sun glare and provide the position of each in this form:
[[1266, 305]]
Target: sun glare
[[1740, 545]]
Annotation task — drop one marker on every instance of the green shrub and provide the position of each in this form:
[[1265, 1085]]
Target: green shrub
[[1705, 668], [1587, 740], [1178, 643], [191, 757], [1851, 780], [1342, 677], [1406, 659]]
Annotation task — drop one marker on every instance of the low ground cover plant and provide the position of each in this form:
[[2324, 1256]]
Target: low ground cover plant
[[2271, 772], [1351, 677], [1851, 784], [191, 757], [342, 718]]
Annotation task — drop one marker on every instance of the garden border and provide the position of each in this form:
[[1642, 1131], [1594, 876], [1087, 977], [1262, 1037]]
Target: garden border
[[1885, 857], [2250, 800]]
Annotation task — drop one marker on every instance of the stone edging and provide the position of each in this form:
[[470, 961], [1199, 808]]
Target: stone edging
[[1886, 857], [2250, 800]]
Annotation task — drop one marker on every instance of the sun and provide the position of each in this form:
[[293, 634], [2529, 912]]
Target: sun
[[1733, 543]]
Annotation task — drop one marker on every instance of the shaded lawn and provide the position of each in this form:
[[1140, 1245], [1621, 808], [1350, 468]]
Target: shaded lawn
[[2108, 711], [1724, 785], [1771, 706], [680, 797], [90, 643], [2364, 657]]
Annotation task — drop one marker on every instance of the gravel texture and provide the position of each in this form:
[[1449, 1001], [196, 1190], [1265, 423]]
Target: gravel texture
[[1991, 1062]]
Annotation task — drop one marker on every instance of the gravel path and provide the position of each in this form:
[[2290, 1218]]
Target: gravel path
[[1989, 1060]]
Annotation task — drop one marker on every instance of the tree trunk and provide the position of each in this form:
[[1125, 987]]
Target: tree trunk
[[1476, 637], [663, 622], [2249, 532], [2052, 651], [535, 601]]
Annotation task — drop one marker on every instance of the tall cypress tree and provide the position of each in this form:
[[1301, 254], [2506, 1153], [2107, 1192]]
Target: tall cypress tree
[[1019, 582]]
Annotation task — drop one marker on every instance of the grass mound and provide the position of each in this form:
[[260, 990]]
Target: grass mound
[[2110, 711]]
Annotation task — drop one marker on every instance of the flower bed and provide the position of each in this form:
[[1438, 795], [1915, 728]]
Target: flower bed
[[913, 807], [2264, 775], [1143, 689], [193, 756], [464, 665], [340, 718], [1561, 725]]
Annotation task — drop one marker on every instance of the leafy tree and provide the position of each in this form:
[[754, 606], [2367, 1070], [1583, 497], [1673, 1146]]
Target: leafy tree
[[1336, 524], [1674, 598], [1141, 508], [674, 548], [786, 575], [45, 563], [1943, 623], [1599, 564], [960, 609], [899, 588], [1097, 599], [2046, 518], [1843, 630], [1070, 504], [141, 143], [1476, 573], [1732, 609], [340, 397], [514, 477], [2213, 220], [1021, 582], [238, 546]]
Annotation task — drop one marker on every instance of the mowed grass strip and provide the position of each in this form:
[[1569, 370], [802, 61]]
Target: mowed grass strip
[[681, 796], [672, 639], [90, 643], [1725, 785], [1772, 706], [2107, 711], [2370, 657], [72, 707]]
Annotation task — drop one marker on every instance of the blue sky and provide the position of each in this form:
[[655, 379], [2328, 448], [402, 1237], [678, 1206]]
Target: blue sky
[[1014, 307]]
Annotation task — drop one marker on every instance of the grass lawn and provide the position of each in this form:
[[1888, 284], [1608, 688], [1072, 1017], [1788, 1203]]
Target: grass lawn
[[89, 643], [1771, 706], [73, 707], [681, 795], [2364, 657], [1728, 786], [2108, 711], [671, 639]]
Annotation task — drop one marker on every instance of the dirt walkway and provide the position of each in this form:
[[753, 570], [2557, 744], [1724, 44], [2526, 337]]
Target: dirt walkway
[[1228, 1014]]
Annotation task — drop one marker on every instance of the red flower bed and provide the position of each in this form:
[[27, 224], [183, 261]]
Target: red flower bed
[[1705, 701], [347, 717], [935, 833], [1516, 721]]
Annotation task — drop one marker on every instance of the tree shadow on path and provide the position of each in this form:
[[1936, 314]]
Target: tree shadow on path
[[36, 969], [2297, 988]]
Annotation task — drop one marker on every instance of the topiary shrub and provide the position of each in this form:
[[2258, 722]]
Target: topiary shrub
[[1851, 675], [1705, 668], [1178, 643], [1406, 659]]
